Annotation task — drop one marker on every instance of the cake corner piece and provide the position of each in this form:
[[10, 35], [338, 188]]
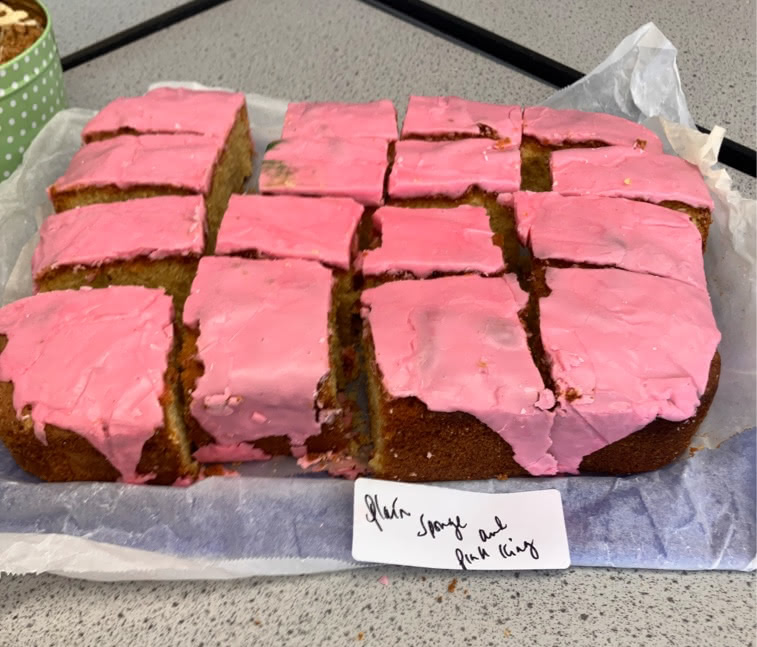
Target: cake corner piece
[[110, 429]]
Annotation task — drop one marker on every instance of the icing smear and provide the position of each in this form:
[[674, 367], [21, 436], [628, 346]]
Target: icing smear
[[263, 340], [237, 453], [92, 362], [457, 344], [632, 347], [347, 168], [99, 233]]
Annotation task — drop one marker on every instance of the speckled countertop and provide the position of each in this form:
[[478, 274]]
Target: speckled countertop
[[417, 607], [342, 49]]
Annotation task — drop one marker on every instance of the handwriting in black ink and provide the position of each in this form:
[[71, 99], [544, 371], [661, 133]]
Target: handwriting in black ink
[[433, 527], [463, 559], [512, 550], [376, 511], [486, 536]]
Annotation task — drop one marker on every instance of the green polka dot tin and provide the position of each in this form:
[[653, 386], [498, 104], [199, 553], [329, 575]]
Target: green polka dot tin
[[31, 92]]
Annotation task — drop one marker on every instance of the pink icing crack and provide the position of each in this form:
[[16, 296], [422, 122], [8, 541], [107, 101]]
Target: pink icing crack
[[91, 362], [634, 347], [170, 111], [429, 116], [557, 127], [632, 235], [432, 338]]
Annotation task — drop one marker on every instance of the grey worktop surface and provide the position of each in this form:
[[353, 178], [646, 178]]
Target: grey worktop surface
[[80, 23], [562, 609], [341, 49], [335, 49], [715, 40]]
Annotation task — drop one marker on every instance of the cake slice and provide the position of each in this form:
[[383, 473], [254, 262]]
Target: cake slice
[[610, 232], [620, 172], [175, 111], [423, 243], [450, 169], [153, 242], [546, 130], [453, 390], [338, 167], [316, 119], [128, 167], [315, 229], [633, 358], [438, 118], [88, 391], [257, 360], [451, 173], [180, 111]]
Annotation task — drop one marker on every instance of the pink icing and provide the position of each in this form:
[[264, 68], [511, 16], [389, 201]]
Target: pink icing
[[237, 453], [264, 345], [456, 343], [184, 161], [333, 119], [349, 168], [428, 116], [92, 362], [170, 111], [506, 199], [619, 172], [635, 347], [635, 236], [100, 233], [450, 168], [335, 464], [320, 229], [423, 241], [559, 127]]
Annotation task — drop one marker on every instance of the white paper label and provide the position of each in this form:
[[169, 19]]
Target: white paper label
[[423, 525]]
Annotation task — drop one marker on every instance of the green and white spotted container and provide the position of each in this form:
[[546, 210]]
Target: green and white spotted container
[[31, 92]]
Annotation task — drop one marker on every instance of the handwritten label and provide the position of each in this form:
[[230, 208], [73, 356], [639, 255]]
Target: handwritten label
[[435, 527]]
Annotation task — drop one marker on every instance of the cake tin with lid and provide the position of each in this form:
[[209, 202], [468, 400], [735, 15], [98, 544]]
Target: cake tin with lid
[[31, 90]]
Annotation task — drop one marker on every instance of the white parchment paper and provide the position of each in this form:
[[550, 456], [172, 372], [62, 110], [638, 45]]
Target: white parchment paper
[[270, 521]]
